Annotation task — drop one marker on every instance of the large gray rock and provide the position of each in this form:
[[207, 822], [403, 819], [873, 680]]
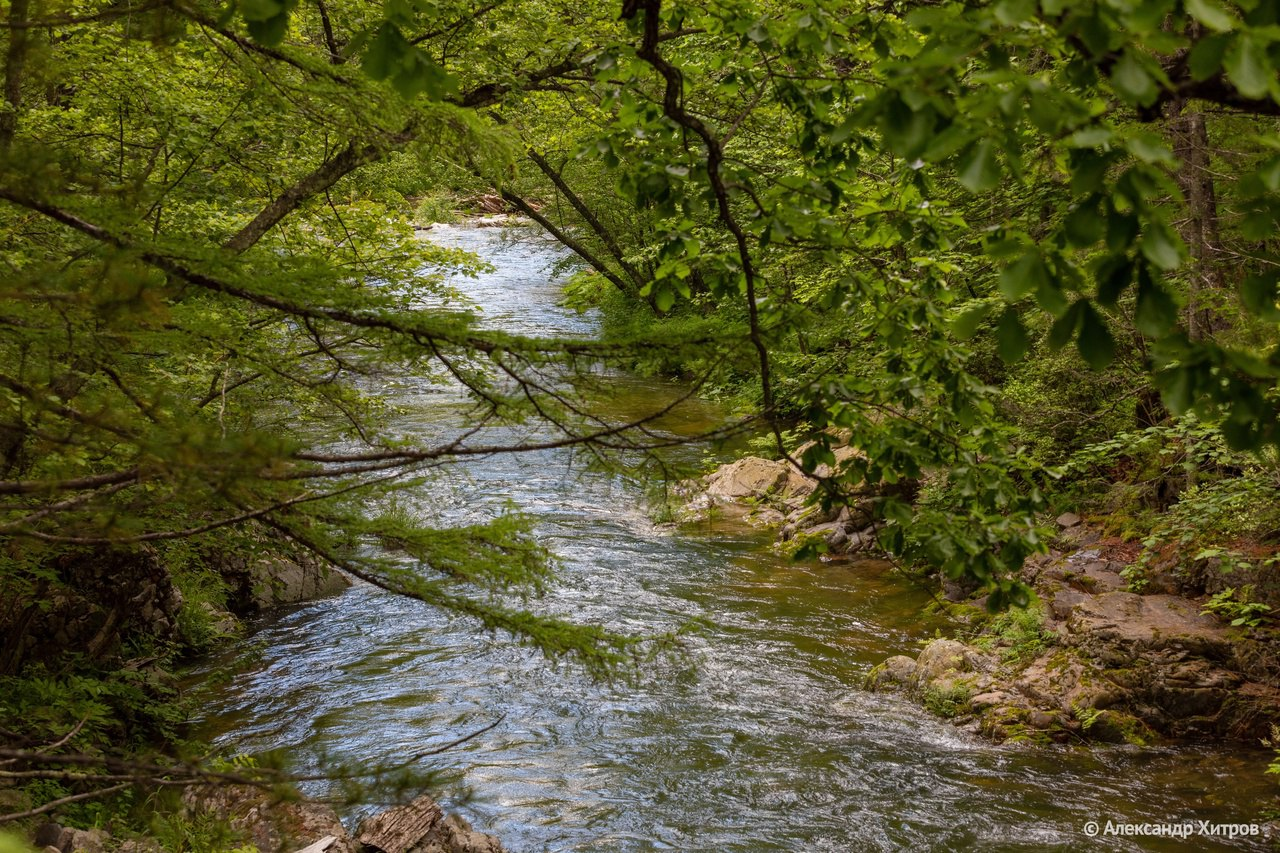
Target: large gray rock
[[946, 659], [83, 841], [896, 673], [267, 582], [1118, 627]]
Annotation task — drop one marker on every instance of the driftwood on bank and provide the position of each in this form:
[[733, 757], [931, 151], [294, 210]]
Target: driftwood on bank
[[399, 829], [422, 827]]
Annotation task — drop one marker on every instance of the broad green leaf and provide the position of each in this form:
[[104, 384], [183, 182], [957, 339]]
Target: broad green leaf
[[1064, 329], [1088, 171], [1095, 344], [1113, 276], [1161, 246], [261, 10], [1177, 388], [1211, 14], [1012, 341], [1156, 312], [978, 169], [1023, 276], [664, 299], [385, 53], [965, 325], [1091, 137], [1150, 148], [1084, 226], [1122, 228], [1249, 68], [1258, 293], [1205, 59], [1133, 82]]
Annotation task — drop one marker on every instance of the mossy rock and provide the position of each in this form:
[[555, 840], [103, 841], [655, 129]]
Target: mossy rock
[[1117, 727]]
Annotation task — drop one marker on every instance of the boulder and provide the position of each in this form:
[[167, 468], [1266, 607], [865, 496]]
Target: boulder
[[105, 596], [83, 841], [1118, 627], [267, 582], [269, 822], [944, 659], [896, 673], [750, 477]]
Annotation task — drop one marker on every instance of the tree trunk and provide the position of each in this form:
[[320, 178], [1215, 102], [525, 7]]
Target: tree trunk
[[1199, 227], [14, 62]]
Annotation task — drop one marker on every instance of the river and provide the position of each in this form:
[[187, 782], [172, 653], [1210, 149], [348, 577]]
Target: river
[[759, 739]]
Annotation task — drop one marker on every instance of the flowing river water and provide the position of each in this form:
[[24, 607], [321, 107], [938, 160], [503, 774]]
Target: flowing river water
[[760, 739]]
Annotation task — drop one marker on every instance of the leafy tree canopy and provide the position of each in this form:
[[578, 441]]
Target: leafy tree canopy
[[209, 248]]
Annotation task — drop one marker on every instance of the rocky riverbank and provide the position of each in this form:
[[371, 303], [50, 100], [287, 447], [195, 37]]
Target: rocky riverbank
[[274, 825], [1092, 659], [1095, 660]]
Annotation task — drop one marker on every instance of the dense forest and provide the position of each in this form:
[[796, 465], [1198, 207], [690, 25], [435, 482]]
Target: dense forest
[[964, 268]]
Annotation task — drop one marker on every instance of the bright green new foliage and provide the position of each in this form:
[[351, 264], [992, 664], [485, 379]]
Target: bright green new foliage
[[869, 212]]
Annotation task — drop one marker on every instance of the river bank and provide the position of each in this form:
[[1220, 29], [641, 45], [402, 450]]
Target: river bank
[[1092, 659]]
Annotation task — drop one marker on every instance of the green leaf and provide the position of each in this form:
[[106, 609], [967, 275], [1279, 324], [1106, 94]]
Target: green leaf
[[1088, 170], [266, 20], [1248, 67], [1013, 12], [1132, 81], [965, 325], [1258, 294], [664, 298], [1161, 246], [1095, 344], [1205, 59], [1084, 226], [1150, 148], [978, 169], [1156, 312], [1177, 388], [843, 131], [1113, 276], [1064, 329], [385, 52], [1212, 15], [1023, 276], [1091, 137], [269, 32], [1122, 228], [261, 10], [1012, 341]]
